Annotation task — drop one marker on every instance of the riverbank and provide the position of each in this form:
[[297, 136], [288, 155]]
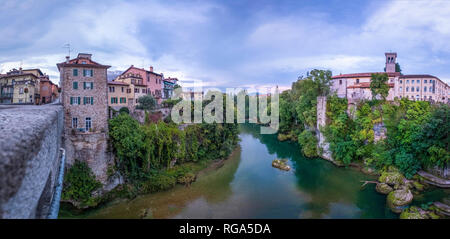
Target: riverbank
[[122, 195]]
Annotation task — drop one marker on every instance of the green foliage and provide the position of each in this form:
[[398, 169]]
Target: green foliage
[[379, 86], [144, 151], [308, 142], [146, 102], [124, 110], [398, 68], [79, 183]]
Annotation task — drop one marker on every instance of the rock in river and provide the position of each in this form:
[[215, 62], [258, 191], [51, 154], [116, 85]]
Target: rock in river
[[397, 199], [281, 164], [383, 188]]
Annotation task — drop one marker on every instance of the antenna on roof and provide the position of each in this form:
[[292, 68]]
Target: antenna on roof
[[69, 49]]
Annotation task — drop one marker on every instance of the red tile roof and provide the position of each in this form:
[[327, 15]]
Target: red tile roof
[[368, 74]]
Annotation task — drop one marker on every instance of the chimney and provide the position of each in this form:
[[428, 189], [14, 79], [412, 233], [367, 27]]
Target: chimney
[[67, 59], [151, 68]]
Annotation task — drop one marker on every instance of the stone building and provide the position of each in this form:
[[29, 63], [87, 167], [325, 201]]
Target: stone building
[[85, 102], [118, 95], [356, 86]]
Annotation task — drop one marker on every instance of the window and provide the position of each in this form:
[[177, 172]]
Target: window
[[417, 89], [407, 89], [425, 89], [430, 89], [357, 81], [88, 85], [407, 81], [75, 123], [20, 90], [88, 124], [112, 89], [412, 81], [136, 101], [412, 89], [400, 89], [88, 72], [88, 100], [424, 81], [401, 81], [128, 91], [122, 89], [75, 72], [113, 100], [123, 100], [340, 82], [75, 100], [75, 85], [418, 81], [83, 62], [136, 90]]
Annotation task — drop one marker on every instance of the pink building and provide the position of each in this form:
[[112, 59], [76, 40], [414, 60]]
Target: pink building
[[153, 81], [356, 86]]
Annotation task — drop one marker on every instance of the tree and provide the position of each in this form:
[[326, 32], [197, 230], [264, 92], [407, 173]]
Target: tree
[[398, 68], [146, 102], [124, 110], [379, 86]]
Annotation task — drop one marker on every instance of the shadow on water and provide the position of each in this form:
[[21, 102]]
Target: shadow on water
[[246, 186]]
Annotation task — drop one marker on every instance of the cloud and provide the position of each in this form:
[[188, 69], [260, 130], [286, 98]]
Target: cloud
[[224, 44]]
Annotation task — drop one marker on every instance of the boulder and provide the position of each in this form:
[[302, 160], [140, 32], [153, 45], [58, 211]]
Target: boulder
[[391, 178], [414, 213], [281, 164], [397, 199], [383, 188]]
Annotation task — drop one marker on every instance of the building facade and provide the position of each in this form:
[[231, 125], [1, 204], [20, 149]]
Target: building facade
[[84, 94], [168, 86], [20, 86], [356, 86], [153, 81], [48, 90]]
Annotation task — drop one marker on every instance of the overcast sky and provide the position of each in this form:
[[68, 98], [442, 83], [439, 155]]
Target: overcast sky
[[229, 43]]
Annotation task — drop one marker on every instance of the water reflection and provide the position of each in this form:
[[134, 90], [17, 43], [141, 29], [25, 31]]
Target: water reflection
[[246, 186]]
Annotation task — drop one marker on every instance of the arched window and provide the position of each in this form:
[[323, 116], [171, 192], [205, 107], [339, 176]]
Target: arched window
[[417, 89], [412, 89], [407, 89], [425, 89]]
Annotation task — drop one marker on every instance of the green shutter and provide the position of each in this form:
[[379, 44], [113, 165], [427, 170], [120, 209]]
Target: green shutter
[[79, 100], [111, 100], [84, 72], [92, 85], [124, 100], [75, 72], [92, 72], [71, 100], [84, 85], [75, 85], [92, 100]]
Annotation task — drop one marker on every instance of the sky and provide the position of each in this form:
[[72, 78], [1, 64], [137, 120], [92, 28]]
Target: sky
[[229, 43]]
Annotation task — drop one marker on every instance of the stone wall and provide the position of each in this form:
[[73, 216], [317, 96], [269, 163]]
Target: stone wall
[[91, 148], [324, 146], [29, 159]]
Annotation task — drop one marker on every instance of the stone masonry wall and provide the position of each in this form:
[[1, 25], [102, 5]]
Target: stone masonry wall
[[324, 151], [29, 159]]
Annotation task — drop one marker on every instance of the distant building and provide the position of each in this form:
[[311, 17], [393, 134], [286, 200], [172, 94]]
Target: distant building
[[84, 94], [169, 84], [192, 95], [153, 81], [48, 90], [356, 86], [119, 95], [20, 86]]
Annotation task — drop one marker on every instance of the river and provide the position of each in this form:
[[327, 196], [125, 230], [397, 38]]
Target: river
[[247, 186]]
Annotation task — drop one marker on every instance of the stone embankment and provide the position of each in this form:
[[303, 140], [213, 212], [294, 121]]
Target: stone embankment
[[29, 158]]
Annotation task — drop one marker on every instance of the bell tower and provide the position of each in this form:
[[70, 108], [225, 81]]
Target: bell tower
[[391, 59]]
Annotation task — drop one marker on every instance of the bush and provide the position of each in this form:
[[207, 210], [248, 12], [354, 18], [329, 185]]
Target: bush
[[79, 183], [158, 182], [124, 110], [308, 142]]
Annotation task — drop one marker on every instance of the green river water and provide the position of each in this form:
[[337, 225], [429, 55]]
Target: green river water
[[247, 186]]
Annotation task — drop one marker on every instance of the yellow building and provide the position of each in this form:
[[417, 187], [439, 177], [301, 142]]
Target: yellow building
[[136, 88], [118, 94]]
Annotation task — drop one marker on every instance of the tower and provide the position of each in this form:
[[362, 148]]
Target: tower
[[391, 59]]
